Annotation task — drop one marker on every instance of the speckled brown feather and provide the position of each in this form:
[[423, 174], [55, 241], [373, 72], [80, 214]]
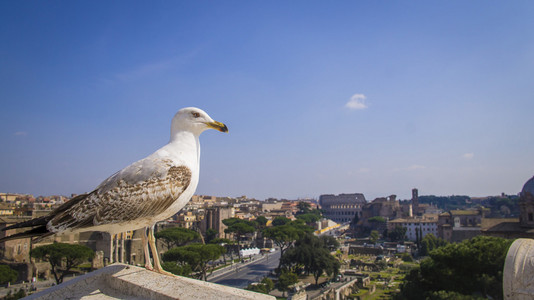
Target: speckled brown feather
[[125, 202]]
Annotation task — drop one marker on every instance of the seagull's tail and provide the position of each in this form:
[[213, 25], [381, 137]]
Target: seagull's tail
[[30, 223], [39, 229], [40, 232]]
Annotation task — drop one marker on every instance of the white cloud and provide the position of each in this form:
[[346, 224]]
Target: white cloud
[[416, 167], [145, 70], [468, 155], [148, 69], [357, 101], [20, 133], [410, 168]]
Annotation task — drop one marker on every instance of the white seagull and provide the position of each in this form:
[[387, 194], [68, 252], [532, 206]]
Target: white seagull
[[145, 192]]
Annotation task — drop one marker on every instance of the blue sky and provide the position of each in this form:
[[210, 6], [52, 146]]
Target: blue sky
[[376, 97]]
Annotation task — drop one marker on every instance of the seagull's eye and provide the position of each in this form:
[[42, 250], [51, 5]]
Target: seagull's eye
[[195, 114]]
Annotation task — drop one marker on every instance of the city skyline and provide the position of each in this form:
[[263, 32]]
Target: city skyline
[[319, 98]]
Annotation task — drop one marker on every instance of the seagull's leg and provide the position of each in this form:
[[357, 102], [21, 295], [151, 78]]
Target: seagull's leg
[[148, 263], [152, 243]]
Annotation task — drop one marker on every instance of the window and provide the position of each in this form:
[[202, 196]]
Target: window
[[530, 217]]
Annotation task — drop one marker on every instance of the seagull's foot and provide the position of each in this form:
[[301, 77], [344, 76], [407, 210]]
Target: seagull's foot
[[161, 271], [149, 267]]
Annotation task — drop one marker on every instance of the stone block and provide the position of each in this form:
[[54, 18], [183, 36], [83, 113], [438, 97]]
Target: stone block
[[119, 281]]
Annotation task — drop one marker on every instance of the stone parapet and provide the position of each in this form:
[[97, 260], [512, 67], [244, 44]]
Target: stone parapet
[[518, 283], [119, 281]]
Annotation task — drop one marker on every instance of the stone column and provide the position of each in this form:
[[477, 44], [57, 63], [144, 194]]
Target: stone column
[[123, 251], [115, 242], [518, 277]]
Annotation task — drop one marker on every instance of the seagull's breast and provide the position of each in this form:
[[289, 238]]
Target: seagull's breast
[[147, 191], [180, 155]]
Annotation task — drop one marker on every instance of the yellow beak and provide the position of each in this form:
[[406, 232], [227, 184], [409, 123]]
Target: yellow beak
[[217, 126]]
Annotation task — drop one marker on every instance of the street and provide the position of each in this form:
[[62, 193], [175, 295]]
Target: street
[[241, 275]]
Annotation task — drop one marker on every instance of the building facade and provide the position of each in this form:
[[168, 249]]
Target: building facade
[[343, 207], [459, 225], [213, 219], [518, 228], [386, 207], [416, 228], [526, 204]]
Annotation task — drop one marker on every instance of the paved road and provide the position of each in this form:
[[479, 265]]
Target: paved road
[[247, 273]]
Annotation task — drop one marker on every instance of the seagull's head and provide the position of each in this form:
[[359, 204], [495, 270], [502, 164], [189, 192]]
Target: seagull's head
[[194, 120]]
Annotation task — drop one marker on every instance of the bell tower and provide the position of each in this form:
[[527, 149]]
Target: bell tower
[[415, 202]]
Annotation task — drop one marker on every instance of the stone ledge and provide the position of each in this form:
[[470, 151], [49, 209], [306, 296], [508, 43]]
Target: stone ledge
[[119, 281]]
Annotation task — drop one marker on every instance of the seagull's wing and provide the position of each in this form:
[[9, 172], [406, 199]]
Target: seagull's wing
[[144, 189], [45, 219]]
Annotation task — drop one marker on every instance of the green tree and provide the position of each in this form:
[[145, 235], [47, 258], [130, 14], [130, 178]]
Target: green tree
[[285, 280], [377, 219], [221, 241], [211, 234], [177, 268], [311, 255], [278, 221], [304, 207], [176, 236], [398, 234], [446, 202], [407, 257], [301, 225], [256, 287], [354, 221], [375, 235], [260, 221], [239, 228], [7, 274], [324, 262], [18, 295], [429, 243], [418, 237], [227, 244], [265, 286], [472, 266], [62, 257], [309, 218], [269, 284], [284, 235], [413, 287], [448, 295], [329, 242], [197, 256]]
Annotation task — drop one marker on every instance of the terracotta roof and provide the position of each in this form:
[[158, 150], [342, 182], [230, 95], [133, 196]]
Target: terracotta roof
[[464, 212], [413, 221], [509, 227]]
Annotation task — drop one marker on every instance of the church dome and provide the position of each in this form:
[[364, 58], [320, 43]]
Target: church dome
[[528, 187]]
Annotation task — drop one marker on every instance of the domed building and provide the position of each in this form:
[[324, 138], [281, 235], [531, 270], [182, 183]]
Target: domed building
[[526, 204], [522, 228]]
